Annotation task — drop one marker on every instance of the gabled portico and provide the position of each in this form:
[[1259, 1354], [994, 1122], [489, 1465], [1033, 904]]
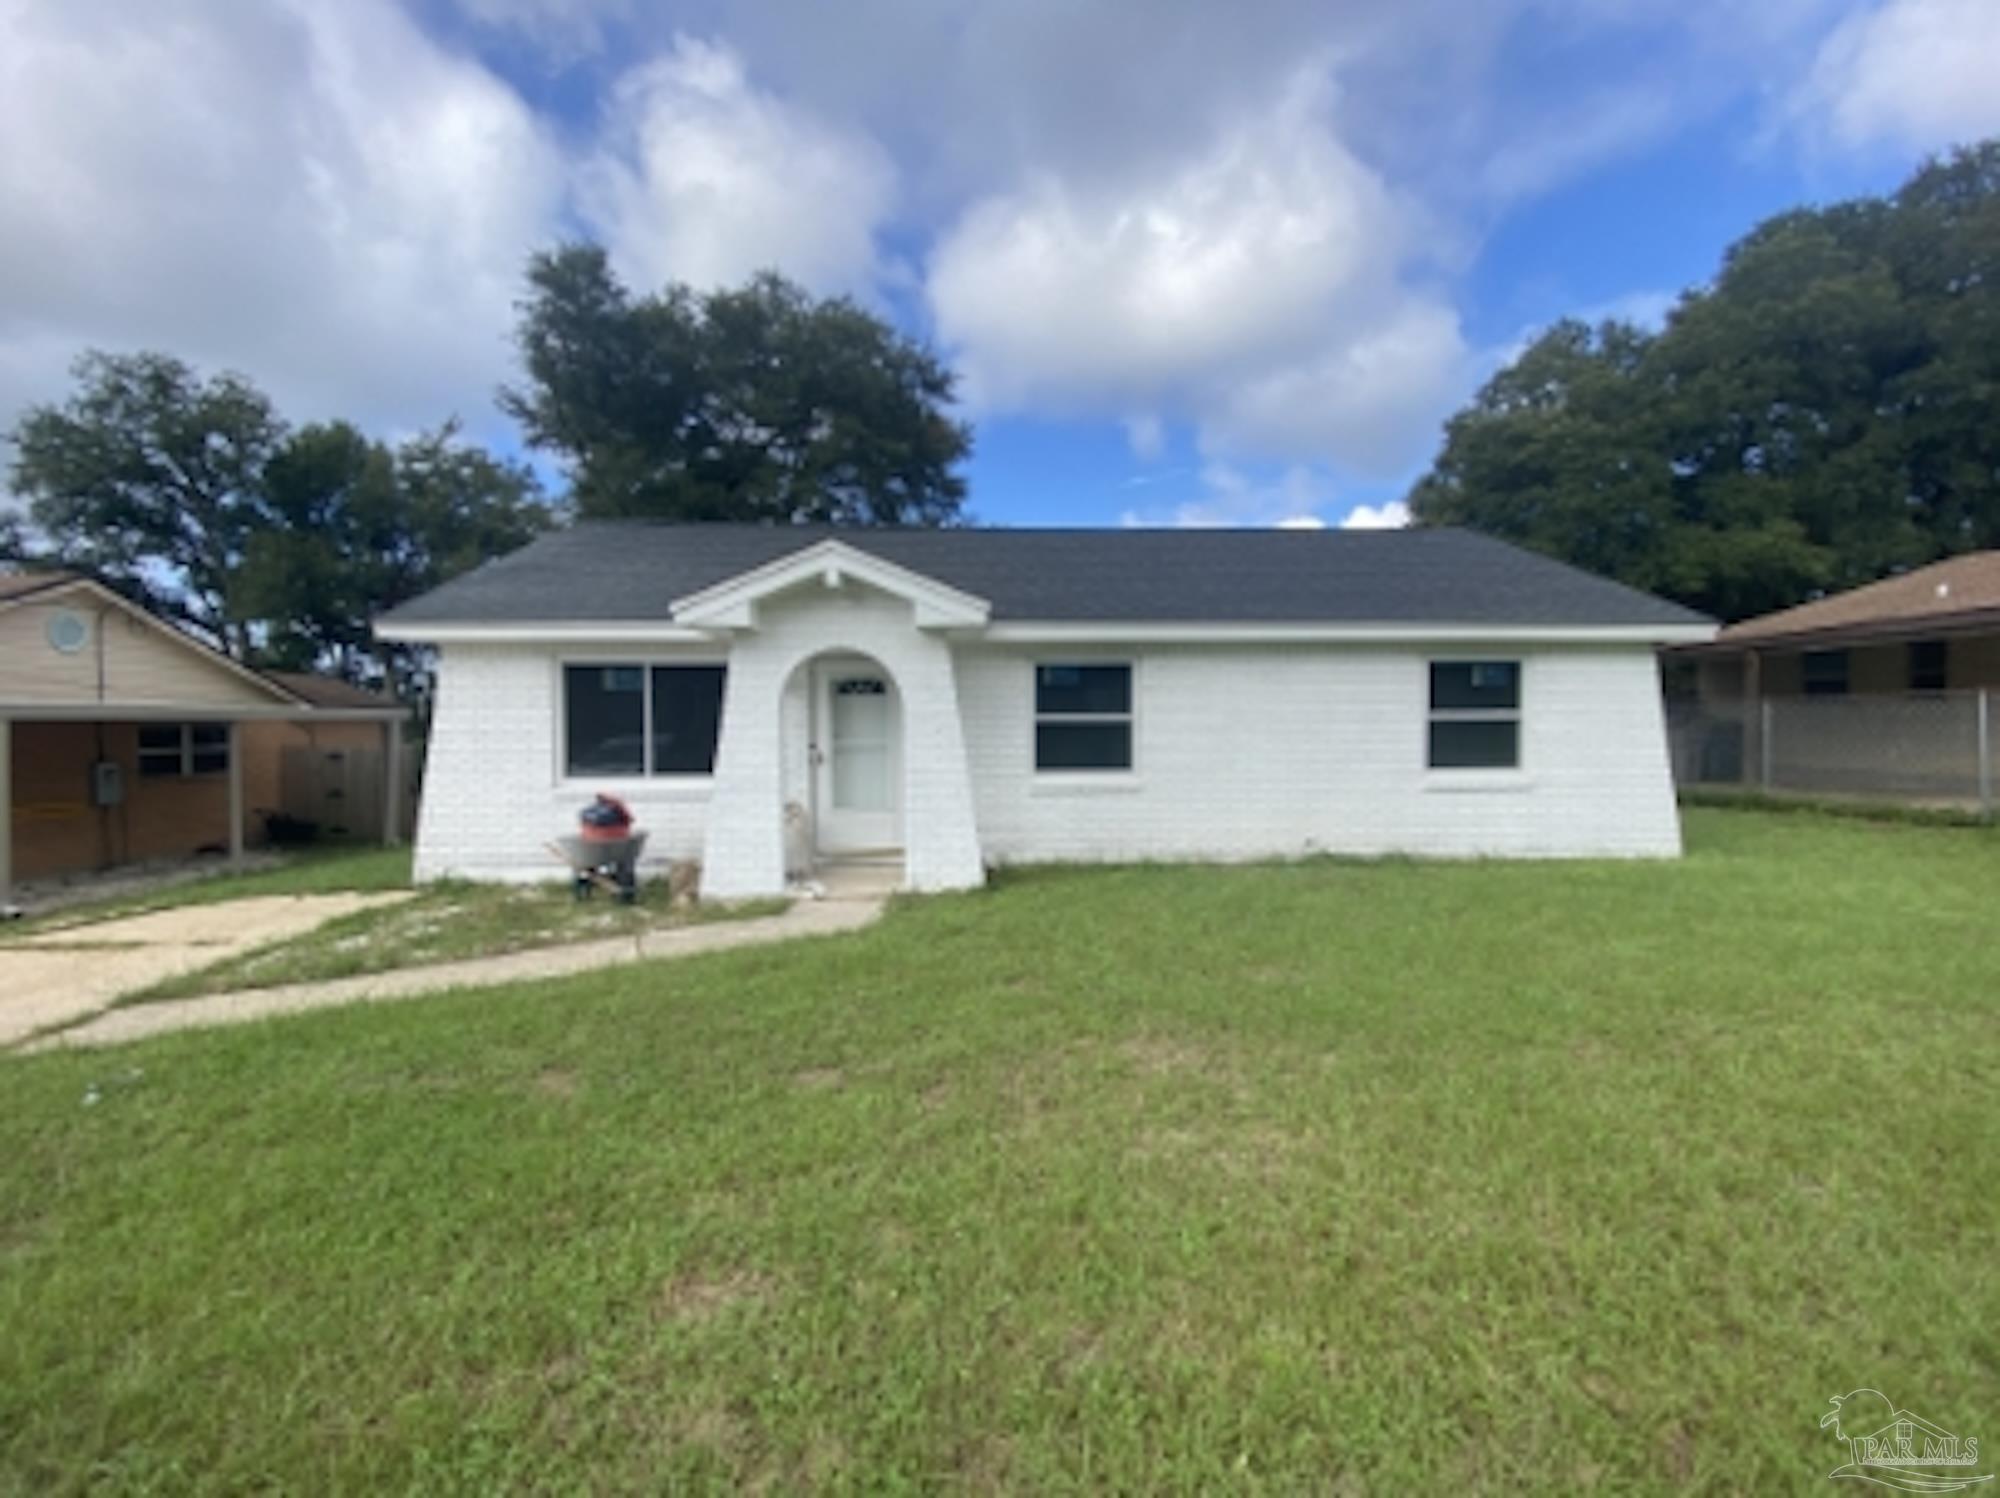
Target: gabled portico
[[835, 652]]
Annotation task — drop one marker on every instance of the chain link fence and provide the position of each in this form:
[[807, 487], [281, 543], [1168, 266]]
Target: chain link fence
[[1927, 747]]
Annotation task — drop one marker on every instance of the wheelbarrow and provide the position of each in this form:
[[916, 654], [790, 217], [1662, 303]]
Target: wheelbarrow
[[607, 863]]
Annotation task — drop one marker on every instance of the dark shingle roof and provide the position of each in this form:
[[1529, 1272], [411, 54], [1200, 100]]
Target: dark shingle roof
[[632, 570]]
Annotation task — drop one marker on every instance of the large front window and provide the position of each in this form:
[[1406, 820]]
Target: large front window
[[628, 719], [1083, 717], [1475, 721]]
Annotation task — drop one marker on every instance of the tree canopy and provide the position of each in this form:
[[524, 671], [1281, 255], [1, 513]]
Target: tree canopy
[[754, 404], [1827, 412], [277, 545]]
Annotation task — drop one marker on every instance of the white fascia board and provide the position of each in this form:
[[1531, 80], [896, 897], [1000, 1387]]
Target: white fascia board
[[615, 631], [731, 604], [1085, 631]]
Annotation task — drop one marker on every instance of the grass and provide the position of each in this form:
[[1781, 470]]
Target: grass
[[1868, 808], [321, 871], [443, 923], [1330, 1176]]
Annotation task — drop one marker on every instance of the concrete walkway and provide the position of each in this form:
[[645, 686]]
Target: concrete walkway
[[57, 976], [848, 909]]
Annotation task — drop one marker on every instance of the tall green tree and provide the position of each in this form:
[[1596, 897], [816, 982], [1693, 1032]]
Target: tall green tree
[[279, 546], [755, 404], [1826, 412], [357, 527], [148, 476]]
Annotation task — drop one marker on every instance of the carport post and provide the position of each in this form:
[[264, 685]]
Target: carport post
[[1985, 754], [392, 783], [6, 812], [235, 795]]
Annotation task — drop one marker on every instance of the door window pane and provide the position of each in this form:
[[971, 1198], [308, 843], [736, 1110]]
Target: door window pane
[[687, 718], [605, 719], [861, 757]]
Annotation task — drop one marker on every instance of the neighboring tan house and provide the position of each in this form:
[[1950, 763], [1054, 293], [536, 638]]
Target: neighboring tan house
[[123, 739], [1883, 688], [959, 698]]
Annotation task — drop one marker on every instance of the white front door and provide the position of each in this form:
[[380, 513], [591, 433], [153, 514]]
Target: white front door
[[858, 779]]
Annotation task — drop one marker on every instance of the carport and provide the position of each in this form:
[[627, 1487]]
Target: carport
[[123, 739]]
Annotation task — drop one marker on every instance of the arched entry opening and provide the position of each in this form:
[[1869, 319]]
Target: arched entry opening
[[845, 764]]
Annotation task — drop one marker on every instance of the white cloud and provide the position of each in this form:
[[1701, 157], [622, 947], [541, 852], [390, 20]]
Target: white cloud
[[1392, 515], [1373, 400], [703, 178], [317, 195], [1147, 437], [1232, 496], [1909, 74], [1253, 287]]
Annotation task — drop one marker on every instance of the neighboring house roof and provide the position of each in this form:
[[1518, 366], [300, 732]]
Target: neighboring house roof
[[1960, 592], [21, 584], [329, 691], [632, 571]]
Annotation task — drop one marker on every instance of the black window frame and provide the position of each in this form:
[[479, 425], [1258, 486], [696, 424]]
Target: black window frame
[[1929, 665], [1826, 673], [199, 750], [649, 758], [1052, 718], [1450, 707]]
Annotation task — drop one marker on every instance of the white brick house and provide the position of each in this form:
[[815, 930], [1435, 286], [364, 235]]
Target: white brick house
[[964, 698]]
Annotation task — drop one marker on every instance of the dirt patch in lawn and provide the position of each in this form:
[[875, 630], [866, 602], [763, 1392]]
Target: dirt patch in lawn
[[697, 1297]]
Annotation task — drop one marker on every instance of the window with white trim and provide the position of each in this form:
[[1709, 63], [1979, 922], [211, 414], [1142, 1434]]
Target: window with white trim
[[179, 749], [1475, 717], [625, 718], [1083, 716]]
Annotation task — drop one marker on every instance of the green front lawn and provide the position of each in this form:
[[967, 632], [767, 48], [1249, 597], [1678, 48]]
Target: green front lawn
[[1333, 1176]]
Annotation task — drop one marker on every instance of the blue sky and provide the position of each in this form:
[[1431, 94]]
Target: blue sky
[[1195, 264]]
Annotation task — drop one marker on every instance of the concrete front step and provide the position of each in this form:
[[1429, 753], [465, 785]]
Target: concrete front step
[[865, 877]]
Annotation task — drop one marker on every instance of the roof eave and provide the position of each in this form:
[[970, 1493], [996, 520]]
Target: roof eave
[[1860, 632]]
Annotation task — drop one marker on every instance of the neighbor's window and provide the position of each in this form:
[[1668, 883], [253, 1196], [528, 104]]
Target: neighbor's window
[[1475, 715], [1824, 673], [183, 749], [1083, 717], [627, 719], [1928, 659]]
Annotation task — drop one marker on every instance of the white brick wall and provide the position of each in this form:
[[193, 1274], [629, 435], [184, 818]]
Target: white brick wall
[[1251, 752], [494, 795], [1240, 752]]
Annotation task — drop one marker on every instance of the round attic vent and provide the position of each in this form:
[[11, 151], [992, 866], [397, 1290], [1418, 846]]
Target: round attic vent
[[69, 631]]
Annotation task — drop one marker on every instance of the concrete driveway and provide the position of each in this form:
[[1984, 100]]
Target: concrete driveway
[[58, 977]]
